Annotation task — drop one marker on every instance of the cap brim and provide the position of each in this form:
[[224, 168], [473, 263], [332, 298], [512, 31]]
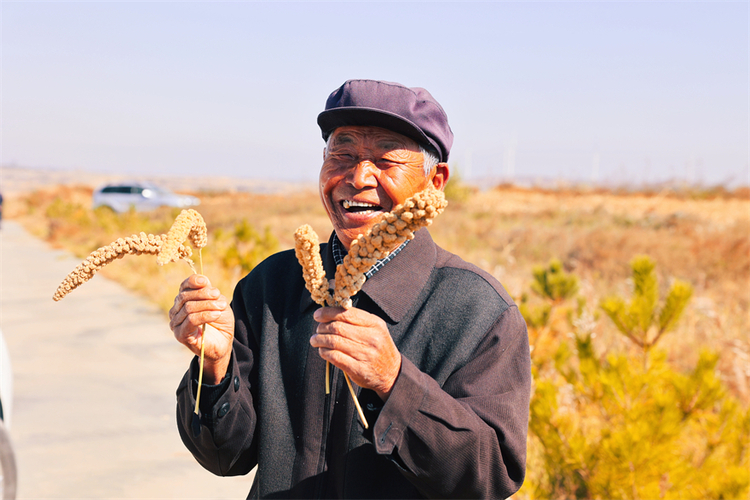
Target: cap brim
[[331, 119]]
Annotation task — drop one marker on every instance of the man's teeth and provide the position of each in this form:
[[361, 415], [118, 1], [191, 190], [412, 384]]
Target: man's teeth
[[350, 204]]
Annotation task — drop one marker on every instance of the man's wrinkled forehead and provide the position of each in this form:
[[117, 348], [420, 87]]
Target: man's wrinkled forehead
[[371, 136]]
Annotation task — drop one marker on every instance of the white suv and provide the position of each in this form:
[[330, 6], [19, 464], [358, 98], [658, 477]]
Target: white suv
[[140, 196]]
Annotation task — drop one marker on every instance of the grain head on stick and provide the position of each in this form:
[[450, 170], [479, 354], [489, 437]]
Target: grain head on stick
[[393, 229], [388, 234], [137, 244], [166, 247], [188, 225], [307, 250]]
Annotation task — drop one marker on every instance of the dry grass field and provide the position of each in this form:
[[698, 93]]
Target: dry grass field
[[703, 238], [700, 237]]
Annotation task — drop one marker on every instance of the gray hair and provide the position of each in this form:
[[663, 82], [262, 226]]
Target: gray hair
[[430, 158]]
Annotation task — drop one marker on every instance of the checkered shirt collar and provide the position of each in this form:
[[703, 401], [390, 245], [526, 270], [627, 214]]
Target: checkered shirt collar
[[339, 252]]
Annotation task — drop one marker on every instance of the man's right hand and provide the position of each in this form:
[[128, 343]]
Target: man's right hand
[[199, 303]]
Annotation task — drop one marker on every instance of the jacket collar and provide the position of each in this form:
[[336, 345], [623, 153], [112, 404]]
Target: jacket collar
[[396, 287]]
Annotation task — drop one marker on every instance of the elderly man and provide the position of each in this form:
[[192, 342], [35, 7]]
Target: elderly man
[[436, 346]]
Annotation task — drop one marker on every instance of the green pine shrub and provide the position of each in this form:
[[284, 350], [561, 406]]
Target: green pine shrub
[[243, 247], [628, 424], [553, 282], [639, 319], [536, 315], [546, 314]]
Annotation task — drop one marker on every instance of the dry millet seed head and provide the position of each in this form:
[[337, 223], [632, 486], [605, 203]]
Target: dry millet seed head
[[386, 235], [307, 250], [136, 244], [189, 224]]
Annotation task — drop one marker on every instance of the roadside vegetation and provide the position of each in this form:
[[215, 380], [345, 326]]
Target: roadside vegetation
[[638, 307]]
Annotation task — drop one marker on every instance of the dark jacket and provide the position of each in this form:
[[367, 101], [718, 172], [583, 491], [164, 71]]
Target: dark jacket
[[454, 425]]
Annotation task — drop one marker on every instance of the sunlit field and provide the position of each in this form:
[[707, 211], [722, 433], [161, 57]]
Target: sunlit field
[[656, 406]]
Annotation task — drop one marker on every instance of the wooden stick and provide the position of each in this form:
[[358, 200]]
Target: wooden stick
[[328, 377], [203, 345], [200, 369], [356, 401]]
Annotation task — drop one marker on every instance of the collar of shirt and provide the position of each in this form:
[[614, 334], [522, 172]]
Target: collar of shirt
[[339, 252]]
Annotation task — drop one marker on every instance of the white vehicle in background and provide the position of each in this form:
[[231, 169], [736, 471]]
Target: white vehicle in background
[[7, 456], [139, 196]]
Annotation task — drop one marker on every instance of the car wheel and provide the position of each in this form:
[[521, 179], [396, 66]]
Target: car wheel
[[7, 465]]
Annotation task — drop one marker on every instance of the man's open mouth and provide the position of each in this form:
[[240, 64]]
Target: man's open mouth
[[360, 207]]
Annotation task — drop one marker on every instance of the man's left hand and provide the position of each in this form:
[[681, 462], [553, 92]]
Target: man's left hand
[[358, 343]]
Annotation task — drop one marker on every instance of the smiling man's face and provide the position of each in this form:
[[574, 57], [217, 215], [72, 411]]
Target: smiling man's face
[[366, 172]]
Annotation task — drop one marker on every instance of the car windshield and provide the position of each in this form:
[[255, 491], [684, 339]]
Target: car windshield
[[152, 190]]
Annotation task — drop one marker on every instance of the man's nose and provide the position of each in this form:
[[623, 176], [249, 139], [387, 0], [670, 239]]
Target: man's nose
[[364, 175]]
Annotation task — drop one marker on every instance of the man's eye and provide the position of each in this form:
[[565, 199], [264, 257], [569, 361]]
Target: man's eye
[[383, 163]]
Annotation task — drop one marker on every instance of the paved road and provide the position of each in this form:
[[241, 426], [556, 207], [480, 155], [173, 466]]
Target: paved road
[[95, 376]]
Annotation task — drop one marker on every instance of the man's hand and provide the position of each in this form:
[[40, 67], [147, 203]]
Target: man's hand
[[196, 304], [358, 343]]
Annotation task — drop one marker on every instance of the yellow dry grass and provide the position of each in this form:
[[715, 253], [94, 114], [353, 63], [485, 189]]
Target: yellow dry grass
[[506, 231]]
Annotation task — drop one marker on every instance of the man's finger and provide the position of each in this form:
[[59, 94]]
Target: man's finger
[[328, 314], [193, 284], [329, 341], [352, 316], [197, 311], [196, 281], [194, 294], [339, 359]]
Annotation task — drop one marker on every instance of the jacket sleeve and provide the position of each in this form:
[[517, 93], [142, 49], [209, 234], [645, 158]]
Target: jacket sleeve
[[466, 439], [222, 440]]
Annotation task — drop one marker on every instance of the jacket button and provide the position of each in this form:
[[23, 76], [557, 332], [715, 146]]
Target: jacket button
[[223, 410], [373, 407], [236, 384]]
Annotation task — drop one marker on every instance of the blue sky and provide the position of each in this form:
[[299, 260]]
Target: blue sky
[[616, 92]]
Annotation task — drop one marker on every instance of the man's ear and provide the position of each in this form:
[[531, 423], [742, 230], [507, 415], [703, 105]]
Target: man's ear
[[442, 173]]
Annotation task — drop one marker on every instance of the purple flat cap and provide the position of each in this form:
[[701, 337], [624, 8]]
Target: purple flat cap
[[412, 112]]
